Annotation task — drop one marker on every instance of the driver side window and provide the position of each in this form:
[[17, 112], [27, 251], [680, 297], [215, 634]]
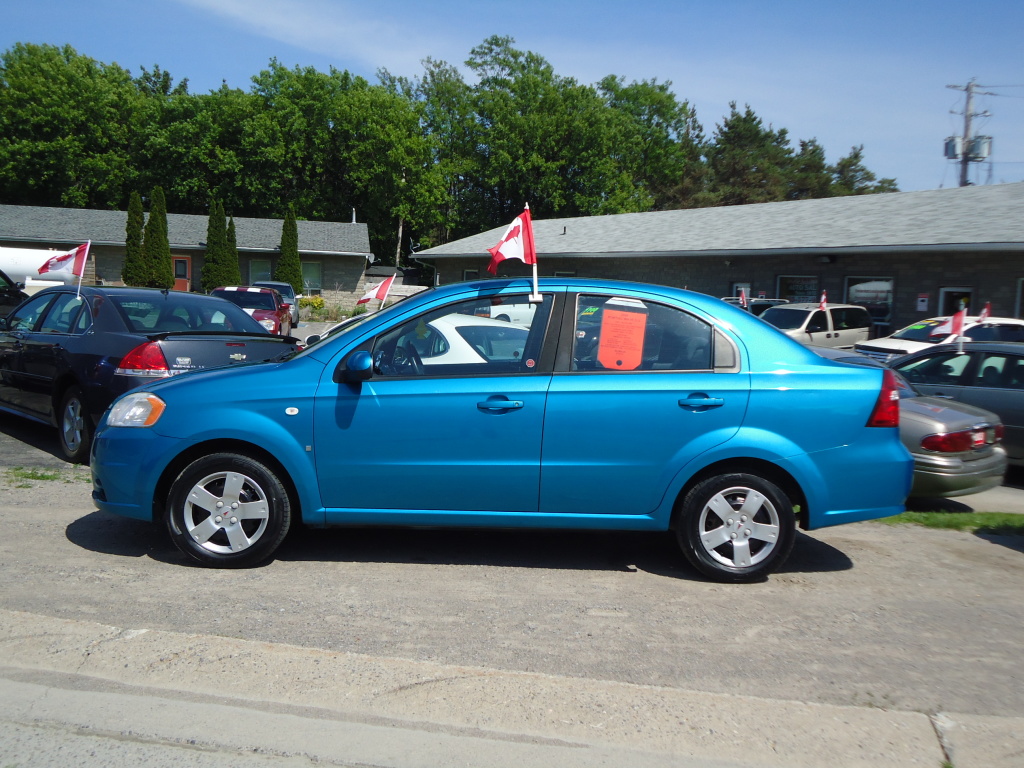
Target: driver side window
[[462, 339]]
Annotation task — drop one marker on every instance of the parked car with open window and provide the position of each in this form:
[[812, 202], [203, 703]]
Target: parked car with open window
[[617, 406], [67, 352]]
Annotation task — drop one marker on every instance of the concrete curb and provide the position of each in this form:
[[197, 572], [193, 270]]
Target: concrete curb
[[649, 723]]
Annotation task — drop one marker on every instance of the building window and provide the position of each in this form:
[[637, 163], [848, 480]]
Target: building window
[[798, 288], [875, 295], [471, 274], [259, 269], [311, 278]]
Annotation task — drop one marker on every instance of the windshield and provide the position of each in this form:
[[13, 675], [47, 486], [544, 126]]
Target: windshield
[[784, 318], [920, 332]]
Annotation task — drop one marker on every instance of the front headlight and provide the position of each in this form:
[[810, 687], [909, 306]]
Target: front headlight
[[268, 324], [137, 409]]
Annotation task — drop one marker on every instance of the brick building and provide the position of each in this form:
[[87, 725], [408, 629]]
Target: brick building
[[905, 255]]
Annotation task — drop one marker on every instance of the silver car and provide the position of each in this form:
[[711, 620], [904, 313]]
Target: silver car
[[956, 447]]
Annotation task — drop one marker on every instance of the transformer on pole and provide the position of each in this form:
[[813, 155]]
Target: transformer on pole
[[967, 148]]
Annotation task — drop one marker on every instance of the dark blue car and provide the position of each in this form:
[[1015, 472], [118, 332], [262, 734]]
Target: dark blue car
[[622, 407], [67, 352]]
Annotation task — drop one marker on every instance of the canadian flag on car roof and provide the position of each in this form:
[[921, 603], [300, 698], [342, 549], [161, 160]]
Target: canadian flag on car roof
[[952, 325]]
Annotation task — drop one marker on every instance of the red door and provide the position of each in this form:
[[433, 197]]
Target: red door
[[182, 273]]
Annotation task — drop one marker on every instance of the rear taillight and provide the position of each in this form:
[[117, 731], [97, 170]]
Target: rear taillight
[[887, 406], [147, 359], [964, 440], [954, 442]]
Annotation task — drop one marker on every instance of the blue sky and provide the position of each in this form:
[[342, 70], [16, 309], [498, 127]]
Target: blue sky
[[845, 73]]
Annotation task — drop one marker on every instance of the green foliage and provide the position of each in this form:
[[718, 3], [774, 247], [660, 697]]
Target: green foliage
[[67, 124], [289, 268], [156, 248], [994, 523], [424, 159], [314, 303], [232, 269], [215, 261], [134, 271]]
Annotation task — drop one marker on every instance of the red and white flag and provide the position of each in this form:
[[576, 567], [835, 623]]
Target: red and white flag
[[823, 302], [952, 325], [743, 299], [986, 313], [378, 291], [516, 243], [73, 261]]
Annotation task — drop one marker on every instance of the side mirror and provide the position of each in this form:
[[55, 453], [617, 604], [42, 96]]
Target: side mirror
[[313, 338], [356, 368]]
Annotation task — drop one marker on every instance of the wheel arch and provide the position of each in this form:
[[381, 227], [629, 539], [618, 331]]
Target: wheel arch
[[753, 466], [226, 445]]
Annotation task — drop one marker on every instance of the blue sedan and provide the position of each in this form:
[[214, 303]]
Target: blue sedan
[[624, 407]]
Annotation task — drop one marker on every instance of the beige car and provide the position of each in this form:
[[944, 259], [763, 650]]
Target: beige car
[[838, 325]]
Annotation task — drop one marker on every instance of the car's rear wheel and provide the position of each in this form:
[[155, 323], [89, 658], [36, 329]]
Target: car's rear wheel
[[736, 527], [228, 511], [75, 426]]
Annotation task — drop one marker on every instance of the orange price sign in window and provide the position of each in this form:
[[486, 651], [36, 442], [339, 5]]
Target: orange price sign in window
[[623, 326]]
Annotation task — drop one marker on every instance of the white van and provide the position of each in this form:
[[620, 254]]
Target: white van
[[838, 326]]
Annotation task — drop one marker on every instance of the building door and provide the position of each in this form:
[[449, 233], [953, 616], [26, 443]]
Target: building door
[[952, 300], [182, 273]]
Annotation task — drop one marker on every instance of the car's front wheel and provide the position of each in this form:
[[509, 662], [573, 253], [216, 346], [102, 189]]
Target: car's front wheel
[[228, 511], [736, 527], [75, 426]]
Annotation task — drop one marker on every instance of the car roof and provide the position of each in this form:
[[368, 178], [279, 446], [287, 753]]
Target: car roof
[[972, 320], [1009, 347], [249, 288], [271, 283], [817, 305]]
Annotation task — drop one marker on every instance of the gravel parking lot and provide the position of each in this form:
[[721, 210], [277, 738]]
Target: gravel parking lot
[[902, 619]]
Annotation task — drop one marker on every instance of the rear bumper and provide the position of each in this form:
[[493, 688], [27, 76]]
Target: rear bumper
[[943, 476]]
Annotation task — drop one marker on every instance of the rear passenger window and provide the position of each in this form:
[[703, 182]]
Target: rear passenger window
[[617, 334], [845, 318]]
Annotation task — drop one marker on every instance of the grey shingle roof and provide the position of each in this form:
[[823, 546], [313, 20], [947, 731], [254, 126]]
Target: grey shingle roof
[[75, 225], [962, 216]]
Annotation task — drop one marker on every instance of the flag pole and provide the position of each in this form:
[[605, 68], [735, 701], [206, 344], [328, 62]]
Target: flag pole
[[535, 297], [387, 290], [81, 277]]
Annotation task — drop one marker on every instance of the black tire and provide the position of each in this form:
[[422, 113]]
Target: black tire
[[199, 527], [74, 426], [736, 527]]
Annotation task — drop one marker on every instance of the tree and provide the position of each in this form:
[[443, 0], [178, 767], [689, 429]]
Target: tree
[[135, 270], [215, 261], [156, 248], [749, 163], [810, 176], [66, 122], [853, 178], [232, 271], [289, 268]]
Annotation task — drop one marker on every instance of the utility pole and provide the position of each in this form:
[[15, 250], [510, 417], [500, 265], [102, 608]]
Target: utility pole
[[967, 153]]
